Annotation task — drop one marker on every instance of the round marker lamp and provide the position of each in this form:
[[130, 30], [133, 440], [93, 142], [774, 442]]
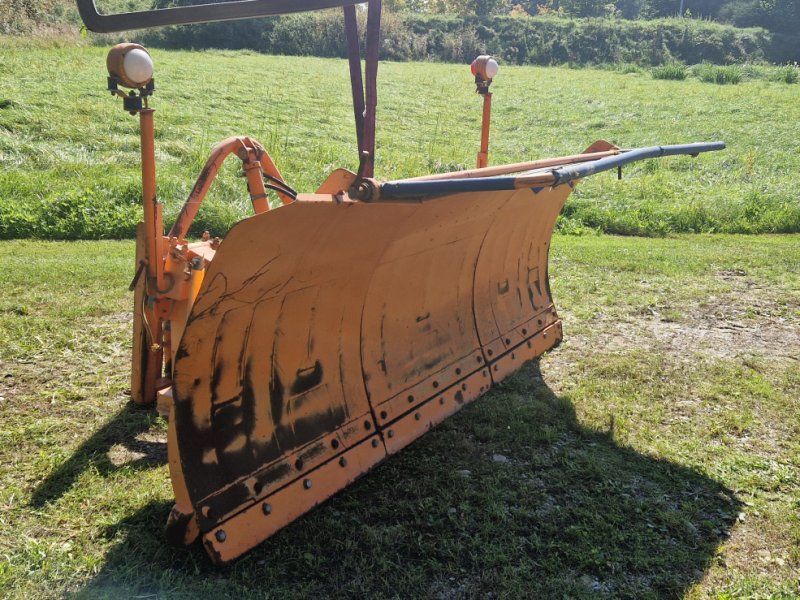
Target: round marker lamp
[[131, 65], [485, 67]]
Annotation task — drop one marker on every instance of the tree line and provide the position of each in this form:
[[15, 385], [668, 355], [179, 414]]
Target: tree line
[[776, 15]]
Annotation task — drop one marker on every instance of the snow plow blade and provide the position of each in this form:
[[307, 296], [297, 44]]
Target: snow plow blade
[[332, 332], [328, 335]]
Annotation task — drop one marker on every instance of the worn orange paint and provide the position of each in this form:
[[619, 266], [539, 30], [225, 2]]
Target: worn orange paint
[[322, 336], [146, 361], [347, 320]]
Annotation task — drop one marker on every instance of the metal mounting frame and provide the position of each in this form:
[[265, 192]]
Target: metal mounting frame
[[201, 13]]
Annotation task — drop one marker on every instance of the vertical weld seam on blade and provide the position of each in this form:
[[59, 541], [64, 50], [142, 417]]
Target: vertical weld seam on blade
[[367, 395], [474, 286]]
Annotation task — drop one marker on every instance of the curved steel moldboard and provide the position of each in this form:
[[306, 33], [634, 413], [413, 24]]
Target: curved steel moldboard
[[327, 336]]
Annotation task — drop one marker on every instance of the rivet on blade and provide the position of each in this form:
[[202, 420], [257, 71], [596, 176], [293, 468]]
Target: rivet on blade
[[307, 484], [220, 535], [391, 433], [266, 508], [343, 461]]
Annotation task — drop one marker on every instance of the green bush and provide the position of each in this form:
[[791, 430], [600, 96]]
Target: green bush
[[722, 75], [523, 40], [787, 74], [675, 71]]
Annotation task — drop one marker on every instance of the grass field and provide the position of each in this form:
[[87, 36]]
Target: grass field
[[655, 454], [69, 153]]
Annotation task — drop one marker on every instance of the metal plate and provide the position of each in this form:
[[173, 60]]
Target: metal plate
[[322, 324]]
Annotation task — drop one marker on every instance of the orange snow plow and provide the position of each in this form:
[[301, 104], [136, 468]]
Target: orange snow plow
[[323, 335]]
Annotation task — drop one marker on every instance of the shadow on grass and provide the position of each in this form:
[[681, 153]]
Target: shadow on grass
[[511, 498], [120, 433]]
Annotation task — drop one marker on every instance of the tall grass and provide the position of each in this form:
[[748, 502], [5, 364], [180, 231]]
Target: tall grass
[[723, 75], [674, 71], [787, 74]]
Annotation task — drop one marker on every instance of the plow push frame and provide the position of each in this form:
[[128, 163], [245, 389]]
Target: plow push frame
[[324, 335]]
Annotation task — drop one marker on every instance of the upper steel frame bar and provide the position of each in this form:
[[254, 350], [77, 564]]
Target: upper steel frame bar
[[201, 13], [405, 190]]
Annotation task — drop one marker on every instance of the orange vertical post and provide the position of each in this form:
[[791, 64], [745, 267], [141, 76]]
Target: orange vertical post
[[153, 240], [483, 155], [154, 229]]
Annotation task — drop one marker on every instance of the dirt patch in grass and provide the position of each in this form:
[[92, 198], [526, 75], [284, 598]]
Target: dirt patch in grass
[[741, 323]]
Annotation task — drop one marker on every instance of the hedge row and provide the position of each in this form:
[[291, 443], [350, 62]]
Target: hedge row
[[534, 40]]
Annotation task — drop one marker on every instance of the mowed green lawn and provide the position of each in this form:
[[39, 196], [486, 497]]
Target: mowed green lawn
[[69, 153], [655, 454]]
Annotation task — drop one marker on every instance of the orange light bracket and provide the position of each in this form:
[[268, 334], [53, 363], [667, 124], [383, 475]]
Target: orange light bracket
[[484, 68], [130, 66]]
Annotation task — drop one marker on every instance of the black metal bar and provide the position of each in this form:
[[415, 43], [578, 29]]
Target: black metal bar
[[356, 81], [371, 81], [571, 172], [405, 190], [201, 13]]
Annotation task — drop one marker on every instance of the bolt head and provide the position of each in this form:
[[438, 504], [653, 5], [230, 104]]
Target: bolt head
[[220, 535]]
